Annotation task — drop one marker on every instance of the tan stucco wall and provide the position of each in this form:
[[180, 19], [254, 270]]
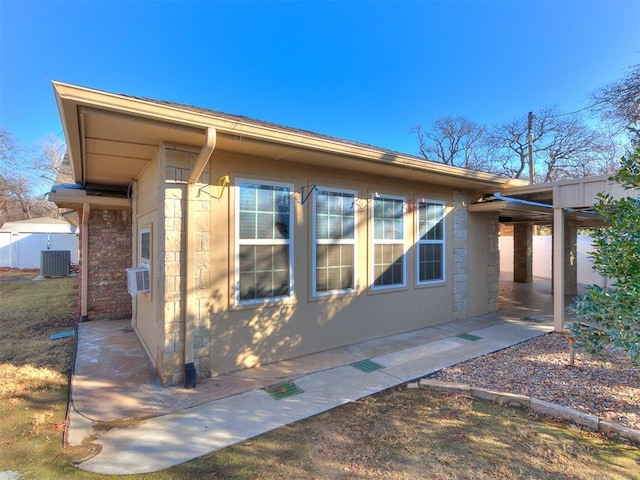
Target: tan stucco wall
[[146, 322], [228, 337], [244, 336]]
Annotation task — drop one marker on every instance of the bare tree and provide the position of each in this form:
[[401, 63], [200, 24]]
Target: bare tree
[[509, 146], [603, 160], [571, 149], [563, 147], [619, 102], [19, 175], [8, 150], [455, 141], [49, 158]]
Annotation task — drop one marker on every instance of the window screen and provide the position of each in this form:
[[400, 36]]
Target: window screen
[[388, 242], [264, 242], [334, 259], [145, 245], [430, 242]]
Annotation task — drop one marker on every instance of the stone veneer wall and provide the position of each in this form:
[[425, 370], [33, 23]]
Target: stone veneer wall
[[109, 255], [460, 260], [175, 166]]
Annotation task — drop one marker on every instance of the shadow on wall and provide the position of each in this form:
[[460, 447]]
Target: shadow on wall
[[250, 335]]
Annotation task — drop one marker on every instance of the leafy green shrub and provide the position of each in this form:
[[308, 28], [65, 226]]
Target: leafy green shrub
[[611, 316]]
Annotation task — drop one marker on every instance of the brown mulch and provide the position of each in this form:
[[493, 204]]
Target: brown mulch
[[608, 388]]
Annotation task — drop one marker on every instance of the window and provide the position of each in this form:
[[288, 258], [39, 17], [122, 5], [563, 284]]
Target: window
[[145, 246], [334, 246], [430, 242], [143, 275], [388, 242], [264, 242]]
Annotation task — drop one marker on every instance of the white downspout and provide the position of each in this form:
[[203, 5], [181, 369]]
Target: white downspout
[[191, 300]]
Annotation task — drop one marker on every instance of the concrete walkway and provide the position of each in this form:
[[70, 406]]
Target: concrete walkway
[[123, 422]]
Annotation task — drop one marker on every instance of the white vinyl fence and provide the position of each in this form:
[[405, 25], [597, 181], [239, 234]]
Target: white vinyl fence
[[542, 258], [22, 250]]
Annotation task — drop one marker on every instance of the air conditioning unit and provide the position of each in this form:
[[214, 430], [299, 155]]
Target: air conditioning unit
[[137, 280], [55, 263]]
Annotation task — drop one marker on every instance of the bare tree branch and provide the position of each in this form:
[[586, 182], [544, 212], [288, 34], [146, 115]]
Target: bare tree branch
[[619, 102], [19, 174], [455, 141]]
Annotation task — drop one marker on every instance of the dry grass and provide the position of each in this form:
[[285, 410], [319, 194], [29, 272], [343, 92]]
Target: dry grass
[[30, 311], [17, 382], [399, 434], [34, 369], [414, 434]]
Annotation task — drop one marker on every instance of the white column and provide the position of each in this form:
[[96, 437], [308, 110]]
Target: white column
[[558, 269]]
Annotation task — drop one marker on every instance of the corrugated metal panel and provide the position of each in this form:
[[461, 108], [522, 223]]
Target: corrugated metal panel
[[55, 263]]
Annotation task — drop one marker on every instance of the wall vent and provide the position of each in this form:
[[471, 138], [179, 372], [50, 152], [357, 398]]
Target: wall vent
[[55, 263], [137, 280]]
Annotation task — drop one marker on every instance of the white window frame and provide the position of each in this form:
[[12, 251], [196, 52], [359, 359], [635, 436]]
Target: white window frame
[[376, 242], [142, 260], [238, 242], [420, 241], [349, 241]]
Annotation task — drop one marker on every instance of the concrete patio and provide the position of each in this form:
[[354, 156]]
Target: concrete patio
[[114, 381]]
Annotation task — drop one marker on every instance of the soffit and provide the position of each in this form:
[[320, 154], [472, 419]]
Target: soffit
[[117, 147]]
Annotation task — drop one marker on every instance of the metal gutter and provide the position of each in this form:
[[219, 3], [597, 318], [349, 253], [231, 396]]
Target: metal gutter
[[521, 201]]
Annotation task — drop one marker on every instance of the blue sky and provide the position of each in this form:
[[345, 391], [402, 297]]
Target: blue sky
[[363, 71]]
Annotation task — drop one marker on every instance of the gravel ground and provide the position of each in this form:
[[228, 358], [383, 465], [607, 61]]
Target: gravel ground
[[608, 388]]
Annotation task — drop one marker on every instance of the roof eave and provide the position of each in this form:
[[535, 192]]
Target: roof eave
[[72, 99]]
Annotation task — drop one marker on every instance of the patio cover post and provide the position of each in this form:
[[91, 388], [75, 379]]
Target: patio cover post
[[558, 268], [84, 262]]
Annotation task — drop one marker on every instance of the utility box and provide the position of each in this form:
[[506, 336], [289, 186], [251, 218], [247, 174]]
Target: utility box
[[55, 263]]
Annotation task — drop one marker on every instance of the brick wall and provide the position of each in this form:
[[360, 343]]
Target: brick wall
[[109, 255]]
